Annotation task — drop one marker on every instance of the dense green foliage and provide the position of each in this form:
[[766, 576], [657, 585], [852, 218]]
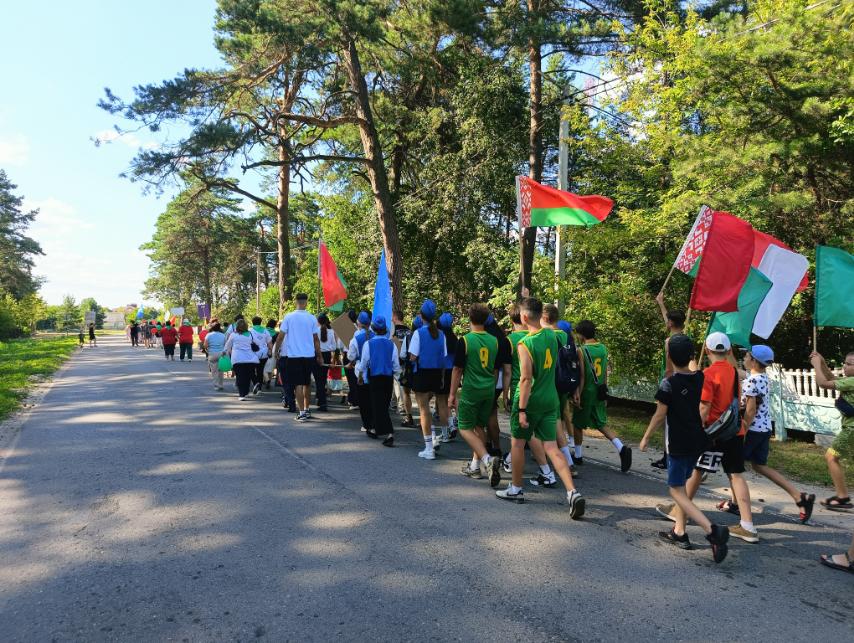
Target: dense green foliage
[[746, 107], [23, 359]]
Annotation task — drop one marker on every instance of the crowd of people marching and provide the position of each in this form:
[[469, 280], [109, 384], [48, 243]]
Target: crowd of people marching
[[552, 378]]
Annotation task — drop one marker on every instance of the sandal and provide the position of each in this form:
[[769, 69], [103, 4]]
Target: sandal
[[806, 504], [835, 502], [729, 507], [827, 560]]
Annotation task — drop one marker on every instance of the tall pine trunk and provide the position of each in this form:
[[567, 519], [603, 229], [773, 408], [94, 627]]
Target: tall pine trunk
[[376, 168], [528, 240], [283, 243]]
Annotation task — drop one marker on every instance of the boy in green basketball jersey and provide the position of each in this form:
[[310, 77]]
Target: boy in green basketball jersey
[[592, 412], [534, 417], [519, 331], [474, 364]]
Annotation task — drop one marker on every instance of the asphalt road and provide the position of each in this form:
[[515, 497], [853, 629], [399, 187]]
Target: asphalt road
[[138, 504]]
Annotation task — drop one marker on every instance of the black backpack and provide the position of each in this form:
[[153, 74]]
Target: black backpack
[[567, 369]]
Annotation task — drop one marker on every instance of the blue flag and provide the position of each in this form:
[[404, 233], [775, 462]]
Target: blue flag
[[140, 312], [382, 293]]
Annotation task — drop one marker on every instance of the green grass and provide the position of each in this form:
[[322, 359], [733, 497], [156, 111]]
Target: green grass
[[795, 459], [23, 360]]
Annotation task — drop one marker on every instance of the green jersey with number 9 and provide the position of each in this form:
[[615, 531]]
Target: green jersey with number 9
[[479, 372], [542, 346]]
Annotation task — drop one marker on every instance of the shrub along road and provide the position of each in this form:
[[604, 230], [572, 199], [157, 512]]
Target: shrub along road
[[139, 504]]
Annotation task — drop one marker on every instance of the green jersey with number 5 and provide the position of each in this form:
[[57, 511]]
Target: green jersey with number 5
[[598, 360]]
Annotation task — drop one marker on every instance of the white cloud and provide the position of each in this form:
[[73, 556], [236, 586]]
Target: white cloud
[[125, 138], [56, 219], [14, 150]]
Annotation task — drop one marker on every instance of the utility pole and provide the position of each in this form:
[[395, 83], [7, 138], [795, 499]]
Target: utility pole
[[562, 184]]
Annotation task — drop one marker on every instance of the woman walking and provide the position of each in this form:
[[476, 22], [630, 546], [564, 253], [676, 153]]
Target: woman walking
[[185, 340], [92, 340], [214, 344], [428, 349], [243, 359], [169, 337], [329, 344], [261, 338]]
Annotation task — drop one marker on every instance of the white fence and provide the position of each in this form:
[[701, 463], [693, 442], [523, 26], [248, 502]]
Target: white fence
[[797, 403]]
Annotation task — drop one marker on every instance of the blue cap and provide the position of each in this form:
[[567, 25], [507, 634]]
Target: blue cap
[[490, 320], [428, 309], [762, 354], [417, 323], [379, 325], [446, 321], [364, 318], [565, 326]]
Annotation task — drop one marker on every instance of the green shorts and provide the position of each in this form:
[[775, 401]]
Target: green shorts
[[473, 411], [843, 443], [593, 414], [540, 425]]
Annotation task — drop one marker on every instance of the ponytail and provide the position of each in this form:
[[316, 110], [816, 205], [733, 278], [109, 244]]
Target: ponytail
[[434, 330], [323, 332]]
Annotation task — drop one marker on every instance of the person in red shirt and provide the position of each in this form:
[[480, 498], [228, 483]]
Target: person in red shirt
[[169, 337], [185, 340], [202, 332]]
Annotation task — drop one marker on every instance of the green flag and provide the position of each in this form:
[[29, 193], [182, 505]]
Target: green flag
[[738, 325], [834, 274], [338, 306]]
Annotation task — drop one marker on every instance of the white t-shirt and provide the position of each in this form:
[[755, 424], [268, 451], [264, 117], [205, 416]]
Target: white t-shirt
[[299, 328], [332, 342], [753, 386], [241, 349]]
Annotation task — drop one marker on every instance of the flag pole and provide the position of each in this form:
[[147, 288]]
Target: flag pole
[[815, 338], [667, 280]]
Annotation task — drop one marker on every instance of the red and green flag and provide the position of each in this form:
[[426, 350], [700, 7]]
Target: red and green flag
[[333, 284], [540, 205]]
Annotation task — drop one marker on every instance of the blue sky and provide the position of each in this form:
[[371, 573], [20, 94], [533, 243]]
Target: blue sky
[[57, 59]]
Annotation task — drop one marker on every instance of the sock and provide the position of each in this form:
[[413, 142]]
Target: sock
[[428, 442], [486, 458], [514, 488], [571, 441], [567, 455], [617, 444], [546, 469], [507, 458], [475, 462], [747, 525], [444, 432], [433, 433], [578, 448]]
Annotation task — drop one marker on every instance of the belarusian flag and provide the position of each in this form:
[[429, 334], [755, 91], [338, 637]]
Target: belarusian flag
[[540, 205], [334, 288], [726, 256], [692, 247], [834, 274]]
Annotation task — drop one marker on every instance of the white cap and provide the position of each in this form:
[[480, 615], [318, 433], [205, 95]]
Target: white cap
[[718, 342]]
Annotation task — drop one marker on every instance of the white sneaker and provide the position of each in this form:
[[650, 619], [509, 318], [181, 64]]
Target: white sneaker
[[437, 442], [241, 399], [427, 454]]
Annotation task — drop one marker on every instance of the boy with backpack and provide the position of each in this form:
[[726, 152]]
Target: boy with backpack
[[592, 410], [474, 365], [678, 400], [534, 416]]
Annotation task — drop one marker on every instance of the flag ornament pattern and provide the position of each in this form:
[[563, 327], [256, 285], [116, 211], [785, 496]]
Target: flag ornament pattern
[[695, 241], [334, 287], [544, 206]]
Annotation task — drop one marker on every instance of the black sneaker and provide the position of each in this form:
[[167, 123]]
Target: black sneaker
[[578, 460], [543, 481], [661, 463], [681, 542], [718, 540], [625, 459], [389, 441], [408, 422], [576, 504]]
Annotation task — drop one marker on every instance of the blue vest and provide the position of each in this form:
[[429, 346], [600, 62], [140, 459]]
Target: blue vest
[[430, 351], [382, 356], [362, 336]]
